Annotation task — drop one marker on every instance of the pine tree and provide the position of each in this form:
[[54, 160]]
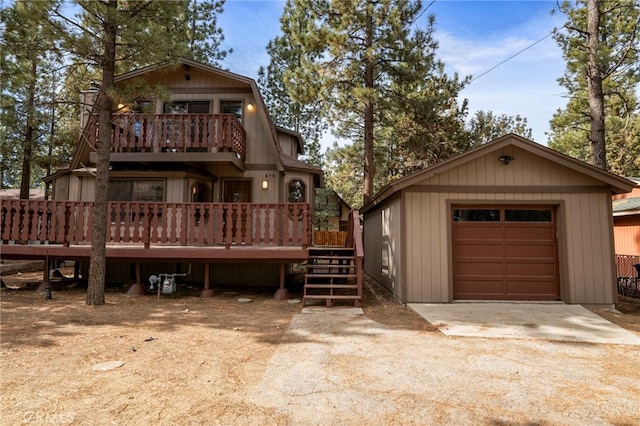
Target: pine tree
[[600, 43], [106, 35], [484, 126], [28, 64], [204, 37], [293, 104], [371, 67]]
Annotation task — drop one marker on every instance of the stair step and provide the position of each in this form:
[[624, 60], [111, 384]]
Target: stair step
[[336, 248], [330, 276], [330, 267], [330, 286], [331, 296], [329, 257]]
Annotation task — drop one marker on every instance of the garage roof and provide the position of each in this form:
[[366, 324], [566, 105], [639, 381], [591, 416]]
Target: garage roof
[[618, 184]]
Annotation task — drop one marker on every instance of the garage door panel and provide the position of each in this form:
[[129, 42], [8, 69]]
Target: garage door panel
[[538, 233], [472, 288], [482, 268], [469, 250], [488, 232], [532, 287], [529, 251], [537, 269]]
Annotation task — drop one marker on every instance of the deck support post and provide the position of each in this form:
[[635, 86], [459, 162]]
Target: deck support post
[[206, 292], [46, 280], [281, 293], [137, 288]]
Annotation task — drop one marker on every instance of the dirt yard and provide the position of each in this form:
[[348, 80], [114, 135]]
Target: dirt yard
[[185, 359]]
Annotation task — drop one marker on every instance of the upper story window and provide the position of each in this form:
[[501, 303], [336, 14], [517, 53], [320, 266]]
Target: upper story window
[[296, 191], [232, 107], [186, 107]]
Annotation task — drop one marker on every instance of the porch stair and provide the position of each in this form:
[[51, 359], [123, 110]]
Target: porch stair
[[331, 275]]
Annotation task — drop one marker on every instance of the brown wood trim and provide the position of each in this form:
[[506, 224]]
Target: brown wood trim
[[258, 166], [212, 89], [217, 254], [507, 189]]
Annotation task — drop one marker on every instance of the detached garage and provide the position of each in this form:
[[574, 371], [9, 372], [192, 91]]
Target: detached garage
[[510, 220]]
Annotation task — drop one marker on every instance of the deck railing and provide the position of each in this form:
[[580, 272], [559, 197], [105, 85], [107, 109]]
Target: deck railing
[[144, 223], [134, 132], [354, 240]]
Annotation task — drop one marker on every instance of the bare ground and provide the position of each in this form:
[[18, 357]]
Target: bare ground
[[187, 360]]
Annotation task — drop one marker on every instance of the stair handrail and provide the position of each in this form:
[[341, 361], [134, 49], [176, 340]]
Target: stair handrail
[[354, 240]]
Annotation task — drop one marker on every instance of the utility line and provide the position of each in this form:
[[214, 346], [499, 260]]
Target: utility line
[[513, 56]]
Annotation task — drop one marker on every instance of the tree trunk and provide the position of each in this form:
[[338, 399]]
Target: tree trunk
[[369, 166], [97, 265], [27, 146], [594, 86]]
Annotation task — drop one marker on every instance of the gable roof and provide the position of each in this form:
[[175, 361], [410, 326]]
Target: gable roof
[[293, 164], [296, 135], [617, 183], [272, 138]]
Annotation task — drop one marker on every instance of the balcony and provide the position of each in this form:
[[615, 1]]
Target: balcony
[[202, 138]]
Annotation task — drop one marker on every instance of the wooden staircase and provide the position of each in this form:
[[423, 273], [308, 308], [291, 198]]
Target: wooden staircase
[[333, 273]]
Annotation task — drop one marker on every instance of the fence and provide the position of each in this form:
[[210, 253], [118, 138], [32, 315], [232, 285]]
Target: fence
[[628, 275]]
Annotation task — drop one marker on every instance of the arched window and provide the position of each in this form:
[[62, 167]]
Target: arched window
[[296, 191]]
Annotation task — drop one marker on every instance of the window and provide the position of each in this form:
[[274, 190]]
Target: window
[[476, 215], [136, 190], [186, 107], [232, 107], [527, 215], [296, 191], [144, 107]]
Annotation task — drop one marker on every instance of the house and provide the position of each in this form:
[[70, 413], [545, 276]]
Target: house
[[509, 220], [626, 221], [200, 181]]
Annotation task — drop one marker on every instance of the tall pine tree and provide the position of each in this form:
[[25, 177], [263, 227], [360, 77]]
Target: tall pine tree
[[294, 103], [369, 62], [601, 45], [106, 34]]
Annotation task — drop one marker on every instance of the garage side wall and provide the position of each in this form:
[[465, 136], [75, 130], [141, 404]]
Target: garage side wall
[[383, 242], [585, 242]]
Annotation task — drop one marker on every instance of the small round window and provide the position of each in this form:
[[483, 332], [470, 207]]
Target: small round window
[[296, 191]]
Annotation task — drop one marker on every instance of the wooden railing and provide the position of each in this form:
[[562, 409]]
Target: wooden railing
[[354, 240], [176, 133], [178, 224]]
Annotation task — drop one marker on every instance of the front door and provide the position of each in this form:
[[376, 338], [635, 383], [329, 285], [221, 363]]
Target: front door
[[236, 191]]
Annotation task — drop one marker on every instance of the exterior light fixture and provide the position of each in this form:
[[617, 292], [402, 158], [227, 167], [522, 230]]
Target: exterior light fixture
[[250, 107], [506, 159], [120, 106], [265, 184]]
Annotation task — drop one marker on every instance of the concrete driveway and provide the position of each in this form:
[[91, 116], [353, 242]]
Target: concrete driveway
[[547, 321], [338, 367]]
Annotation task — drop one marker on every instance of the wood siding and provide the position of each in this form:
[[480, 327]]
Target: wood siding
[[626, 233], [383, 236], [585, 242]]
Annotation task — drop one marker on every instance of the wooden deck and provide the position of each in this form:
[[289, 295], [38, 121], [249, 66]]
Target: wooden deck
[[198, 232]]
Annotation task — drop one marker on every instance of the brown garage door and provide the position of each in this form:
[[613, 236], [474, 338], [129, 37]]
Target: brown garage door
[[505, 253]]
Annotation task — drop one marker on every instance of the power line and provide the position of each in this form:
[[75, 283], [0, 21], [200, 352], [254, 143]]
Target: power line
[[513, 56]]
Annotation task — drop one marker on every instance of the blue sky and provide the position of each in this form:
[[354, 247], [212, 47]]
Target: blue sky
[[474, 36]]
